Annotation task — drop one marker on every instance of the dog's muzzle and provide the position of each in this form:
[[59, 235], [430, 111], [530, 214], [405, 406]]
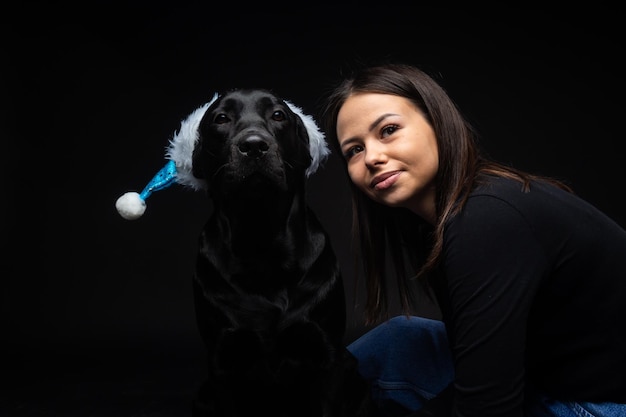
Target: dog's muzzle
[[255, 161], [253, 146]]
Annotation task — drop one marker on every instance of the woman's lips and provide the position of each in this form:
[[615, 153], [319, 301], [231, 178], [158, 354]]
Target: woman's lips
[[384, 181]]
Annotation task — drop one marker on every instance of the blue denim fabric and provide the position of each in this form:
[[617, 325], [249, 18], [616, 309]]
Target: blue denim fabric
[[538, 405], [407, 361]]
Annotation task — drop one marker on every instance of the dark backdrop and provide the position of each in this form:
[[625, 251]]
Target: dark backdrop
[[91, 95]]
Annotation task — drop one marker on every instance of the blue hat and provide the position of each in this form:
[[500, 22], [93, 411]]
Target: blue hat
[[179, 153]]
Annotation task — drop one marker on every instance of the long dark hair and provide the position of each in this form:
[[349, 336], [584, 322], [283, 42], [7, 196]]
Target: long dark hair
[[381, 232]]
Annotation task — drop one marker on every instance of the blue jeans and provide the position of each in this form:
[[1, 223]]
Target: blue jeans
[[407, 361]]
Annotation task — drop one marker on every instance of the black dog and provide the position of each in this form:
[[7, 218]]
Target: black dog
[[268, 292]]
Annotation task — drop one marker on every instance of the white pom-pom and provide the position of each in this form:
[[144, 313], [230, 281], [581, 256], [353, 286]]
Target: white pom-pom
[[130, 206]]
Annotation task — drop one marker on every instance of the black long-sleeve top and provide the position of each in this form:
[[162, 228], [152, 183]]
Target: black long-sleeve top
[[533, 291]]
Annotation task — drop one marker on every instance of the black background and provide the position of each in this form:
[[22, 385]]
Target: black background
[[96, 311]]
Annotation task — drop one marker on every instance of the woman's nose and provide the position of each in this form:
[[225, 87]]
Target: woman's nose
[[375, 154]]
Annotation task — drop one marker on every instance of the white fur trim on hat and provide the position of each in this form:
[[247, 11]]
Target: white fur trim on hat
[[180, 148], [317, 145]]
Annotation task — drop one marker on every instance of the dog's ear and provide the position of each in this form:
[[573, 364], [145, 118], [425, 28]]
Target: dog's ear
[[318, 148], [199, 165], [182, 146]]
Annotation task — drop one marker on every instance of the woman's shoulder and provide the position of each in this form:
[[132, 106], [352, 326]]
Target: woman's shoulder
[[494, 201], [541, 204], [507, 188], [508, 203]]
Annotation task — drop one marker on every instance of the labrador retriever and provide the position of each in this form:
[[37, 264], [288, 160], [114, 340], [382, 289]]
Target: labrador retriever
[[269, 295]]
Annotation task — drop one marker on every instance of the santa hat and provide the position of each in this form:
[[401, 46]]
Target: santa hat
[[178, 169]]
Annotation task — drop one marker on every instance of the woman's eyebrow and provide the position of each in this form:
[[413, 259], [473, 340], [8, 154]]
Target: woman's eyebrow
[[380, 119], [372, 126], [347, 141]]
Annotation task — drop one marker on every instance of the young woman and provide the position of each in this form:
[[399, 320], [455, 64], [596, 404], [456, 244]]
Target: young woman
[[530, 279]]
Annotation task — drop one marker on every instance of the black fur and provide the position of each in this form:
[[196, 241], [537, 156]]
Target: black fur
[[268, 292]]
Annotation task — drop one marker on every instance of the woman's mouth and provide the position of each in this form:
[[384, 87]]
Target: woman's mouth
[[384, 181]]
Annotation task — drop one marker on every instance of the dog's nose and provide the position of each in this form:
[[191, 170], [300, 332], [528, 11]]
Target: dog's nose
[[253, 146]]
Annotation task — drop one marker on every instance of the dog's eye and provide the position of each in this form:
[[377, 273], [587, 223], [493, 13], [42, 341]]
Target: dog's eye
[[221, 119], [278, 115]]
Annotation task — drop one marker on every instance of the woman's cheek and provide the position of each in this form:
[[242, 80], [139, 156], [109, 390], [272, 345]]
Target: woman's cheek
[[350, 168], [356, 175]]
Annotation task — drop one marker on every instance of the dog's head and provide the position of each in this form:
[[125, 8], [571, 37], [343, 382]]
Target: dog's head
[[247, 139]]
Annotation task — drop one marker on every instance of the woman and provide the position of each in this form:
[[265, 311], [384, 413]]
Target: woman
[[530, 279]]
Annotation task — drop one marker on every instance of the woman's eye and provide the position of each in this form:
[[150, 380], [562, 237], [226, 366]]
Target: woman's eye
[[221, 118], [388, 130], [352, 151]]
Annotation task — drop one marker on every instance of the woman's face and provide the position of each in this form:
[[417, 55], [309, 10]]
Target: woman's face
[[391, 151]]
